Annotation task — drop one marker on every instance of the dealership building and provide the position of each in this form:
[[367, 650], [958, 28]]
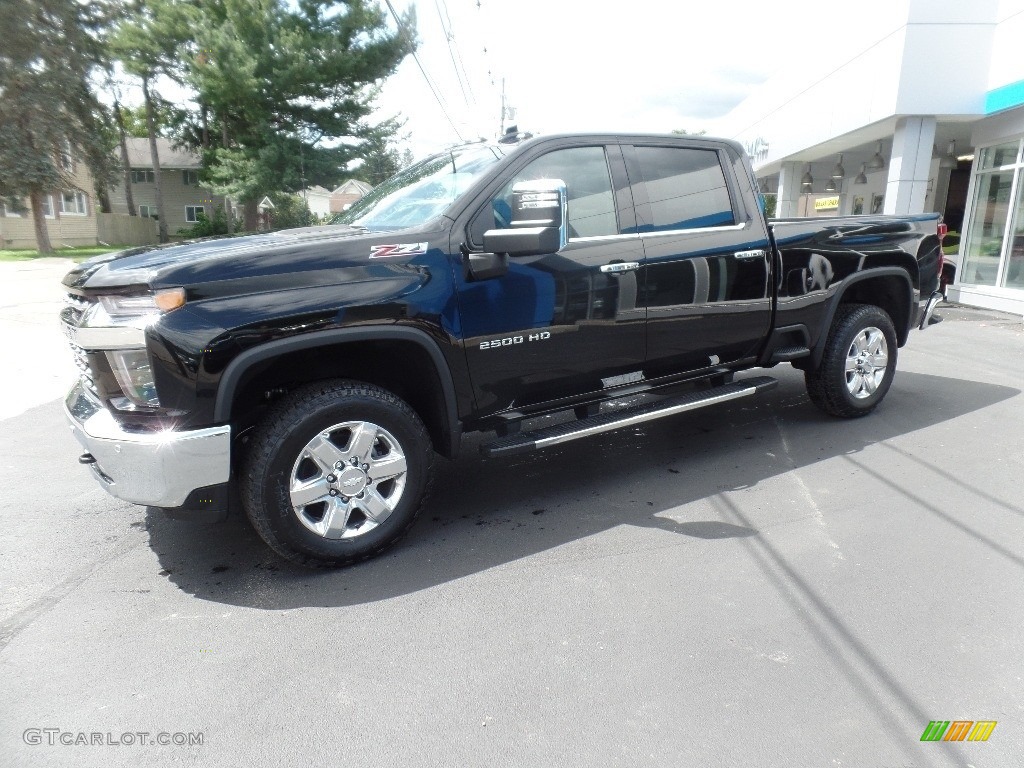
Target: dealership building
[[928, 116]]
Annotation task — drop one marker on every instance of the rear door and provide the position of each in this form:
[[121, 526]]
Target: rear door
[[705, 280]]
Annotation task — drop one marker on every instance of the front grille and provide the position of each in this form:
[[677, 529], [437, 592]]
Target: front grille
[[85, 371], [76, 307]]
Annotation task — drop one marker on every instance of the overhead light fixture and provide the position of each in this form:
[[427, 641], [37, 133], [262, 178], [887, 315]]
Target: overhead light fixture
[[861, 178], [839, 172], [831, 186], [807, 180], [877, 162], [949, 159]]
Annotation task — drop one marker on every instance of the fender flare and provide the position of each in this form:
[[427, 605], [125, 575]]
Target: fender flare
[[833, 304], [237, 368]]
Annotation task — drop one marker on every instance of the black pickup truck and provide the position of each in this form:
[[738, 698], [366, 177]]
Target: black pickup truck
[[312, 374]]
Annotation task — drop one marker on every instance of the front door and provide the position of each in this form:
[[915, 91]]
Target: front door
[[556, 325], [704, 282]]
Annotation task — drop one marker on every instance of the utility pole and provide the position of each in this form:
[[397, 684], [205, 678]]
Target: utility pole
[[501, 131], [507, 112]]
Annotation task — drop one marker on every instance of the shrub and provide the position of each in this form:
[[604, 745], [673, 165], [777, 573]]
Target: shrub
[[207, 226]]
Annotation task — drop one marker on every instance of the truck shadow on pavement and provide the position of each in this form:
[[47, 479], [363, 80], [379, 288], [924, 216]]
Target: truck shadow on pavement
[[484, 514]]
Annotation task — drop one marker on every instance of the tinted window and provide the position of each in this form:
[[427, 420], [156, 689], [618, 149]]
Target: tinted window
[[686, 188], [588, 185]]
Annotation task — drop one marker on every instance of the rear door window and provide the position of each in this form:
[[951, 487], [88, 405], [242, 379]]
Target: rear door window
[[686, 189]]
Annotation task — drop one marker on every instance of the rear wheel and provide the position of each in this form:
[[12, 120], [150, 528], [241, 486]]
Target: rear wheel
[[336, 473], [858, 364]]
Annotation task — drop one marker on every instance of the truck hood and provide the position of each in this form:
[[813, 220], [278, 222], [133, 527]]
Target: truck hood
[[232, 260]]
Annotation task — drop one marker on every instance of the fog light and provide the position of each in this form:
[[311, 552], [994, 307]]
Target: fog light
[[135, 376]]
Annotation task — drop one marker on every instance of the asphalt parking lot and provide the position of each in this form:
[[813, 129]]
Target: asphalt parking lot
[[750, 585]]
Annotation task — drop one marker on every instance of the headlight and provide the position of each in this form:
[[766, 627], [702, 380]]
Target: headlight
[[120, 307], [135, 375]]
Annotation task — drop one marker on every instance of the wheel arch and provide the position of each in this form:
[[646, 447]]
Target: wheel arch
[[368, 354], [889, 288]]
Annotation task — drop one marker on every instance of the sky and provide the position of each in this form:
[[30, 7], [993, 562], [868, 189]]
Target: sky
[[576, 65], [640, 65]]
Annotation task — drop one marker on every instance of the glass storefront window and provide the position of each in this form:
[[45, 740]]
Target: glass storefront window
[[1013, 265], [993, 253], [988, 225], [999, 156]]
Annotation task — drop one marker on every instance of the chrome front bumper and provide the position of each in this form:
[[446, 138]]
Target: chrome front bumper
[[158, 469]]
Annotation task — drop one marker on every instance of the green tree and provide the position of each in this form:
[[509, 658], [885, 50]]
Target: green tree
[[290, 211], [381, 161], [167, 118], [279, 77], [49, 116], [148, 43]]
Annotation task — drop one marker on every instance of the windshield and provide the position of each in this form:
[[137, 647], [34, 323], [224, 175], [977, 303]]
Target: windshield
[[422, 191]]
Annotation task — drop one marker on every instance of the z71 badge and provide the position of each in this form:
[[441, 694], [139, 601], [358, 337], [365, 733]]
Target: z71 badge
[[398, 249]]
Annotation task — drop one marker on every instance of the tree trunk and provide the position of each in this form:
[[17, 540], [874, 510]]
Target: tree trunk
[[103, 195], [227, 200], [151, 127], [128, 196], [206, 126], [251, 215], [39, 220]]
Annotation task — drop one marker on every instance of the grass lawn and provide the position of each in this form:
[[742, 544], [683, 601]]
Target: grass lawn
[[78, 254]]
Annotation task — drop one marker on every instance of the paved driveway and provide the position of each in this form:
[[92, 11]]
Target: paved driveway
[[37, 366]]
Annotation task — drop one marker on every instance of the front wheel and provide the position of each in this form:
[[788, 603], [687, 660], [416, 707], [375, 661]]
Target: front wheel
[[858, 364], [336, 473]]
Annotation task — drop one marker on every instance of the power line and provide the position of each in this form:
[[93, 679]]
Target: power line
[[453, 51], [430, 84], [485, 29]]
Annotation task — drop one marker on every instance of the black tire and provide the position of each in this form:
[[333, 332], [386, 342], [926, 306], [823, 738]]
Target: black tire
[[829, 385], [286, 447]]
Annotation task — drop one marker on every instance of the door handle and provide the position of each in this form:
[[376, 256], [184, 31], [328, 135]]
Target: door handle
[[620, 267], [757, 254]]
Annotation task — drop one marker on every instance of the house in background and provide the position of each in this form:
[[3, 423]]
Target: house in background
[[347, 193], [73, 217], [184, 198], [318, 199], [70, 213]]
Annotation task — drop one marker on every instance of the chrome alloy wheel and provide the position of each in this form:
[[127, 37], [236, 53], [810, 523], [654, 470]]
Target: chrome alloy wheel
[[348, 480], [866, 362]]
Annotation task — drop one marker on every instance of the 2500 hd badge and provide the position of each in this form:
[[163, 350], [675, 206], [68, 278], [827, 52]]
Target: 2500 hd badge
[[508, 341]]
